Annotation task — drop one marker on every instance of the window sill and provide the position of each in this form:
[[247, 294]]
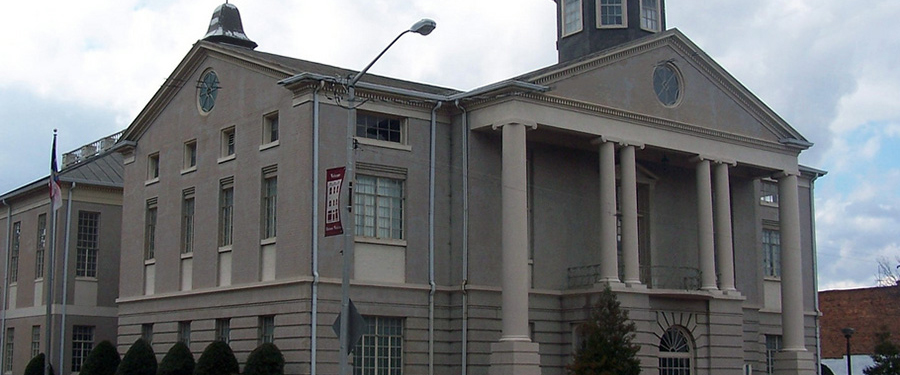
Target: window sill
[[151, 181], [384, 144], [226, 158], [267, 241], [269, 145], [604, 27], [148, 262], [187, 255], [381, 241], [39, 280], [767, 204], [86, 278], [772, 278], [189, 170], [225, 249]]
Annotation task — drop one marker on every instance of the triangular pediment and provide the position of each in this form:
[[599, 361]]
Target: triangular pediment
[[621, 79]]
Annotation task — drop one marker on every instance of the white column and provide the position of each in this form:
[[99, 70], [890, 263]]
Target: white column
[[609, 267], [791, 264], [629, 216], [724, 246], [514, 354], [705, 240], [514, 235]]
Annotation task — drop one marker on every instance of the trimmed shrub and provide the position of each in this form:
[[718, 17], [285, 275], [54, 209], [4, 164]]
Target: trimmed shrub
[[36, 366], [138, 360], [217, 359], [266, 359], [103, 360], [178, 361]]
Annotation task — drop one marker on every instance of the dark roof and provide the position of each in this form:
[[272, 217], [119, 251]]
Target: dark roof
[[105, 169]]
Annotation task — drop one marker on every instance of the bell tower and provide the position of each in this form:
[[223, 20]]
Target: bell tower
[[588, 26], [226, 27]]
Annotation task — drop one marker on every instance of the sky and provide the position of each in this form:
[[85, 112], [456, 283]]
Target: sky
[[831, 68]]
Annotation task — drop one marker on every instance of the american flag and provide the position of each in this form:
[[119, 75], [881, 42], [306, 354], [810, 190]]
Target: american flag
[[55, 193]]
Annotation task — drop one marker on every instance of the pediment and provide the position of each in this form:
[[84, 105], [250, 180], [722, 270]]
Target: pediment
[[622, 79]]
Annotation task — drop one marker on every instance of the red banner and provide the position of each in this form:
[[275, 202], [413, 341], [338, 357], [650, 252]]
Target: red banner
[[335, 180]]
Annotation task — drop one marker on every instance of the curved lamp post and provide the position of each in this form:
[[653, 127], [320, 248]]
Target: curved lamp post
[[423, 27], [847, 333]]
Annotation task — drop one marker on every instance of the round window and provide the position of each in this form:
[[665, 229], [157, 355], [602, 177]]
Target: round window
[[207, 90], [667, 84]]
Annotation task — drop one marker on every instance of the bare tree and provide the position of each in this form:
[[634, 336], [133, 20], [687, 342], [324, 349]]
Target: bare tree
[[888, 272]]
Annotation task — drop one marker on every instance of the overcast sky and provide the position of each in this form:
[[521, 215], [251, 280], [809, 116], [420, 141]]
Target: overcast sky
[[828, 67]]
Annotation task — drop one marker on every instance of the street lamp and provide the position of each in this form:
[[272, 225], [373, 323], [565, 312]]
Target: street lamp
[[847, 333], [423, 27]]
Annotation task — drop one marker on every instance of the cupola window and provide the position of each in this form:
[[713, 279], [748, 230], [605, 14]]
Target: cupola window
[[650, 15], [571, 17], [611, 13]]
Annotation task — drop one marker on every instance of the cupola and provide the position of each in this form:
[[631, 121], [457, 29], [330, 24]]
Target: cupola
[[588, 26], [226, 27]]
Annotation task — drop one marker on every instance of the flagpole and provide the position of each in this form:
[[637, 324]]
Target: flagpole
[[55, 202]]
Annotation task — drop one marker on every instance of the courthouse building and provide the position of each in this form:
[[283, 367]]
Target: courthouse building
[[487, 221], [84, 283]]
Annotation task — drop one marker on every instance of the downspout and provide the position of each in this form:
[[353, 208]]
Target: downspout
[[5, 281], [431, 281], [314, 321], [465, 239], [65, 281], [815, 258]]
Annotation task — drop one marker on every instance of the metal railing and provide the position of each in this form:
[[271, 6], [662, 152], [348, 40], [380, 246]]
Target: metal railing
[[658, 277], [89, 150]]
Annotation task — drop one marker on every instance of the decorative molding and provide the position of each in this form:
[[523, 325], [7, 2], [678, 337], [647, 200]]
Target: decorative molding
[[669, 319]]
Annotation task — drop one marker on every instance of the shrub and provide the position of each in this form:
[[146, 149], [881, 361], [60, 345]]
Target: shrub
[[36, 366], [217, 359], [886, 357], [138, 360], [607, 348], [266, 359], [102, 360], [178, 361]]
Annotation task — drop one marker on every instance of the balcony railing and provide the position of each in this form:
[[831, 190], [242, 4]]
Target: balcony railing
[[87, 151], [660, 277]]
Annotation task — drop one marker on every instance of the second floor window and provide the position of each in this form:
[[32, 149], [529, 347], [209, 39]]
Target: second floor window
[[270, 128], [150, 231], [270, 204], [187, 224], [88, 244], [380, 127], [226, 216], [771, 242], [14, 252], [378, 203], [41, 246]]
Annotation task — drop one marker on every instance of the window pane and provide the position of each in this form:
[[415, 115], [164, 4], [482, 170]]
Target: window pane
[[88, 244]]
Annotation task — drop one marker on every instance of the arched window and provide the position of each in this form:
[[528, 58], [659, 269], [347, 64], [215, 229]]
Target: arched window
[[675, 353]]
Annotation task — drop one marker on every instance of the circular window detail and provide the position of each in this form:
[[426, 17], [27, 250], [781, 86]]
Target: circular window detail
[[667, 84], [207, 90]]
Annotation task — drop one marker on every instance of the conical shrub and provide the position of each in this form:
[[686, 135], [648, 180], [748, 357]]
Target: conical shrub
[[217, 359], [36, 366], [102, 360], [138, 360], [266, 359], [178, 361]]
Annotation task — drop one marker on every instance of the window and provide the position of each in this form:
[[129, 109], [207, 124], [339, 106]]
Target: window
[[88, 244], [380, 127], [571, 17], [227, 143], [650, 15], [675, 353], [35, 341], [270, 128], [773, 345], [190, 155], [187, 222], [378, 203], [611, 13], [41, 246], [223, 330], [150, 231], [82, 344], [380, 350], [226, 214], [147, 332], [267, 329], [667, 84], [184, 332], [772, 252], [153, 167], [14, 253], [269, 204], [8, 350], [768, 194]]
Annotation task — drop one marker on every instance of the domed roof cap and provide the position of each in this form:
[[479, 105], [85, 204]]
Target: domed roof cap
[[226, 27]]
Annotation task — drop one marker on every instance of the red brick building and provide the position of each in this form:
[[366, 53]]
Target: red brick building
[[865, 310]]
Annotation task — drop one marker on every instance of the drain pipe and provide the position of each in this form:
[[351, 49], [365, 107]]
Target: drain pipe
[[65, 281], [431, 281], [5, 280], [812, 217], [465, 239], [314, 320]]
